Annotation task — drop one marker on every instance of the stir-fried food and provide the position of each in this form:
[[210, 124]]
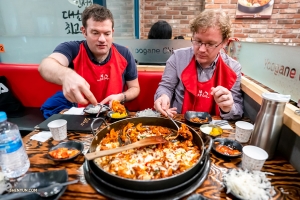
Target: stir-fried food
[[62, 153], [198, 120], [227, 150], [150, 162], [253, 3], [118, 107]]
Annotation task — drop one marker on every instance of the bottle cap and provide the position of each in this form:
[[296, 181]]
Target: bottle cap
[[3, 116]]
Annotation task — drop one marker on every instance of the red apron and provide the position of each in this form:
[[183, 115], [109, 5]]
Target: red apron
[[104, 80], [197, 95]]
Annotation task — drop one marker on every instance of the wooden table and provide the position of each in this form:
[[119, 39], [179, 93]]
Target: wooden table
[[286, 179]]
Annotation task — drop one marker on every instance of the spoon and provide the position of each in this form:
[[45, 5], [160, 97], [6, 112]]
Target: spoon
[[48, 191], [144, 142], [170, 136]]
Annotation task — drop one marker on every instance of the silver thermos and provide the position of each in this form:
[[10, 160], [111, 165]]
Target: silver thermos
[[269, 121]]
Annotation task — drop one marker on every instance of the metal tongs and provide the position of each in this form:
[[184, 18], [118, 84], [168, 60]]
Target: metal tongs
[[101, 106]]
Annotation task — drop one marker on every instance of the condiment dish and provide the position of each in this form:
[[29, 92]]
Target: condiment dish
[[211, 130], [201, 117], [113, 116], [70, 145], [229, 148]]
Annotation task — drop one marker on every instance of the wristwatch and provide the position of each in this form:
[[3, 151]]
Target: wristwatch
[[124, 99]]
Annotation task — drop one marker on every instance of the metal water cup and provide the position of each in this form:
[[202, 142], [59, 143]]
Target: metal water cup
[[269, 122]]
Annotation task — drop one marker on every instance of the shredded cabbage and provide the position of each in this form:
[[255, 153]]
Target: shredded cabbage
[[249, 185], [147, 113]]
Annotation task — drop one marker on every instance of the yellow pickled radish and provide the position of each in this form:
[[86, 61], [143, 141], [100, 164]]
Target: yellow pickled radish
[[118, 115], [216, 131]]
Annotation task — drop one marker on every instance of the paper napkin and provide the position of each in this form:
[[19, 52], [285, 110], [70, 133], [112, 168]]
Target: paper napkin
[[74, 111], [227, 126], [42, 136]]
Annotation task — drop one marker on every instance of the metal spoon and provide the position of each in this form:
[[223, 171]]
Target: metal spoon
[[172, 136], [53, 189], [43, 192]]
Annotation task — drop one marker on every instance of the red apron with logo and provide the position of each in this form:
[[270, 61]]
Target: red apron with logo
[[104, 80], [197, 95]]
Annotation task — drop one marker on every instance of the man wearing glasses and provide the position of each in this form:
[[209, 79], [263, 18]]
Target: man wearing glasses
[[201, 77]]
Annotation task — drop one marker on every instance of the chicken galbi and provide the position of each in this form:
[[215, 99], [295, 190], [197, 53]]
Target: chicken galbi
[[118, 107]]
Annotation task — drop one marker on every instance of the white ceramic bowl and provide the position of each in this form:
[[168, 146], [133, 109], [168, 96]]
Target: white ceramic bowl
[[253, 158]]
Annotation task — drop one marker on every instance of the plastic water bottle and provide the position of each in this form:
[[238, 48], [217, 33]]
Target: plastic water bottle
[[13, 157]]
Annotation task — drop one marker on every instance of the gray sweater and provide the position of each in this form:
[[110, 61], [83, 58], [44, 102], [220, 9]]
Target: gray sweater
[[172, 86]]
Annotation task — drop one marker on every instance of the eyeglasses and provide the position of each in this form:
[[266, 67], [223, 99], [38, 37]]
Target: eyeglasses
[[207, 45]]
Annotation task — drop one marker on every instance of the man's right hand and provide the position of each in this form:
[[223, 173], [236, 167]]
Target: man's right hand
[[76, 89], [162, 104]]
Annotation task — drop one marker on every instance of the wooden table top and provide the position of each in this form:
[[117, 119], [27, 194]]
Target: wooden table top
[[286, 179]]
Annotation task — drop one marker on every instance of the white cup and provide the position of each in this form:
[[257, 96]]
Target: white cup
[[243, 131], [253, 158], [58, 129]]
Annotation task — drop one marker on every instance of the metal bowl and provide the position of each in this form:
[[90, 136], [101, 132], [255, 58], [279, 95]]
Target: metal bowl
[[230, 143], [201, 115], [93, 110], [205, 129], [70, 145]]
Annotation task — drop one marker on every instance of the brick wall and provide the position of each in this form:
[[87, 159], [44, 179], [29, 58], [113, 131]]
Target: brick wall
[[122, 11], [282, 28], [177, 13]]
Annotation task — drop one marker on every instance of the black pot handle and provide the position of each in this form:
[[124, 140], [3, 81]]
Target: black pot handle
[[92, 124], [207, 150]]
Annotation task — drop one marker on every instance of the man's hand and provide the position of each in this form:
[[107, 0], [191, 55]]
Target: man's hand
[[76, 89], [110, 98], [162, 104], [223, 98]]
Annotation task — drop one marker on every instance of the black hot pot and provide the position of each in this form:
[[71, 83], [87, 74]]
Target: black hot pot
[[148, 185]]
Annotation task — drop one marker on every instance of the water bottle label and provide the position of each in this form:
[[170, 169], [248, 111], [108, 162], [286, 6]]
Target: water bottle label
[[11, 146]]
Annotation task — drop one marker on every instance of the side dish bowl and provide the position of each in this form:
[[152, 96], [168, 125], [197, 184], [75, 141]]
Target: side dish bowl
[[211, 130], [233, 147], [70, 145], [204, 117], [113, 116], [93, 110]]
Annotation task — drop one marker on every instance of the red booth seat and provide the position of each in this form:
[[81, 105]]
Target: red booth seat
[[32, 90]]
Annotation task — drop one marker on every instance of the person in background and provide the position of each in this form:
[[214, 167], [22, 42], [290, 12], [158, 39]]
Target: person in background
[[178, 37], [96, 69], [160, 30], [201, 77]]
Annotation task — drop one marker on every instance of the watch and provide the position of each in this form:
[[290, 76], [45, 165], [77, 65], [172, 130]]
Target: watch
[[124, 99]]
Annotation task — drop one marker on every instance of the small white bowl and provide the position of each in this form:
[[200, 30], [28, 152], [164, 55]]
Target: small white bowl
[[253, 158]]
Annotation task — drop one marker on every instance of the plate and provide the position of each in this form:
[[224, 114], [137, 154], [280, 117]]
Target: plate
[[91, 166], [201, 115], [93, 110], [230, 143], [253, 9], [70, 145], [39, 180], [116, 194]]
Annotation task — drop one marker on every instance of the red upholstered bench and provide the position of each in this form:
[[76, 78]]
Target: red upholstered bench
[[148, 81], [32, 90]]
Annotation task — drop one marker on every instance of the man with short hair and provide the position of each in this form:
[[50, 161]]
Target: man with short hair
[[202, 77], [96, 69]]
